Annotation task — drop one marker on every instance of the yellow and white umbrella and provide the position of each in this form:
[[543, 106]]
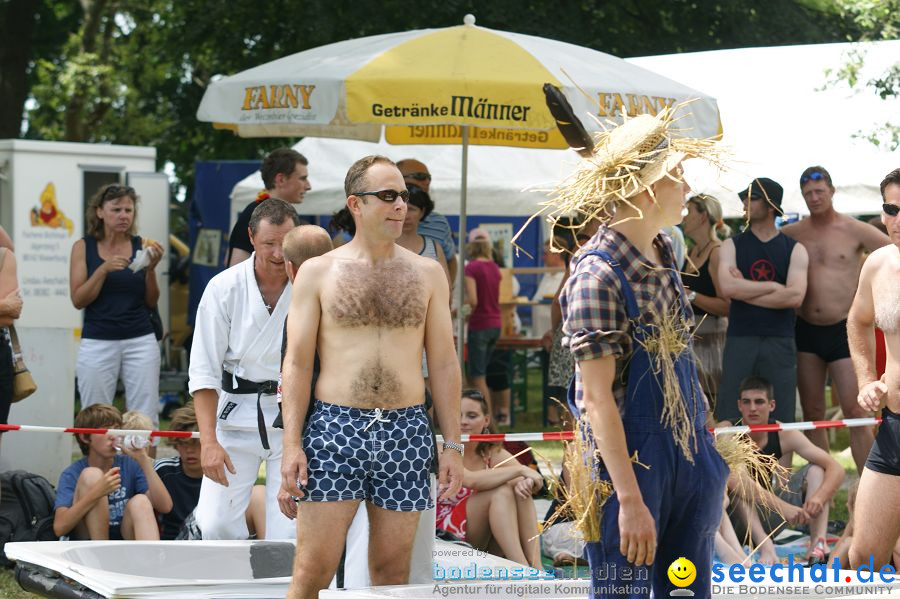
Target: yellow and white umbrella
[[424, 85], [458, 85]]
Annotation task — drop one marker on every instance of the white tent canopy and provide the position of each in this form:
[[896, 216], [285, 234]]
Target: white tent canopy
[[497, 180], [775, 120]]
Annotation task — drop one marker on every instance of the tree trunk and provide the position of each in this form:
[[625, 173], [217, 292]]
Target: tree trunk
[[76, 119], [17, 18]]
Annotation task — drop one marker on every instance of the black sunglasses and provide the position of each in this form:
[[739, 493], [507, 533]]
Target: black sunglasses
[[418, 176], [890, 209], [813, 176], [386, 195], [473, 394]]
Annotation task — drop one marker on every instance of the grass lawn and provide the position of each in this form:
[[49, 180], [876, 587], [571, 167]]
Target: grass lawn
[[528, 418]]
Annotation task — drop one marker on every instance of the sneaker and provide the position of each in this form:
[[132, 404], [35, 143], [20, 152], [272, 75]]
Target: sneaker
[[817, 555]]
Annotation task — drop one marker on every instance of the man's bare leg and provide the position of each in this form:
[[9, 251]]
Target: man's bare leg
[[321, 530], [861, 437], [818, 525], [811, 386], [391, 537], [878, 494]]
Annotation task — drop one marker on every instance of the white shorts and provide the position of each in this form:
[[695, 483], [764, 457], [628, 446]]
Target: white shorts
[[101, 362]]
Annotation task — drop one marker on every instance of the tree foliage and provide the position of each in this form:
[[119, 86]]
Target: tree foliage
[[134, 71], [876, 20]]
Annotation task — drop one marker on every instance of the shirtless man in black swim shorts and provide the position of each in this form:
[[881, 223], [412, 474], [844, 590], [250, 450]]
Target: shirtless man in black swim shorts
[[877, 303], [835, 243]]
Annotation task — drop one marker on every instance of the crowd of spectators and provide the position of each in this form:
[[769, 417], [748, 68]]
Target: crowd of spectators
[[764, 324]]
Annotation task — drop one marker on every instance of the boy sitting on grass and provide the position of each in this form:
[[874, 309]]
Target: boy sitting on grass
[[107, 495]]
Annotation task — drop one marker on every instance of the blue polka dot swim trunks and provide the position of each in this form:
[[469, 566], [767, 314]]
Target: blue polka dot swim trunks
[[382, 456]]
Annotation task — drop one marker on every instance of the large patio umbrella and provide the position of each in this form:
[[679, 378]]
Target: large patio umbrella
[[458, 85]]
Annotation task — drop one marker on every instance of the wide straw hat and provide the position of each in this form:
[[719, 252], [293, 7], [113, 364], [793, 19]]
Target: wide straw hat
[[627, 160]]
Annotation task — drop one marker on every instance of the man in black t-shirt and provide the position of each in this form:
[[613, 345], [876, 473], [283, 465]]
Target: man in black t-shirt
[[285, 175]]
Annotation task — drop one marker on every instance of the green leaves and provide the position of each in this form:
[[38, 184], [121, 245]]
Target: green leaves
[[133, 71]]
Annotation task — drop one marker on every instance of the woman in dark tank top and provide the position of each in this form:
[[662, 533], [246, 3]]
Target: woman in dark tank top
[[117, 338], [703, 225]]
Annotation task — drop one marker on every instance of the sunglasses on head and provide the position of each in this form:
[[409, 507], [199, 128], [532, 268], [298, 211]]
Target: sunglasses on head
[[473, 394], [115, 190], [386, 195], [890, 209], [813, 176], [418, 176]]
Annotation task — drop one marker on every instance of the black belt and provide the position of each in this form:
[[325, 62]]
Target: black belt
[[244, 386]]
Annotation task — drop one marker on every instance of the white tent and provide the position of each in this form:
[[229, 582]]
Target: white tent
[[775, 120], [497, 175]]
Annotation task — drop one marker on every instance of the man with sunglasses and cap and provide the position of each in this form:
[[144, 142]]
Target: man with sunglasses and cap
[[369, 308], [763, 272], [836, 244], [434, 225], [877, 303]]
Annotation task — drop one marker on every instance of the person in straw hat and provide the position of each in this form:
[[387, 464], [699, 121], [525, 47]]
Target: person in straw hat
[[627, 323]]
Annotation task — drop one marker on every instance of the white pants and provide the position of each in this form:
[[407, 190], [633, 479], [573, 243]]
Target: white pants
[[220, 512], [356, 564], [102, 361]]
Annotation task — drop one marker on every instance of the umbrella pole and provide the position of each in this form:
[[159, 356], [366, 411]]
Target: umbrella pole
[[460, 269]]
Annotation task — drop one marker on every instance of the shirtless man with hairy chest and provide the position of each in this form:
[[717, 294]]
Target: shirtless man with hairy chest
[[877, 303], [369, 307], [836, 244]]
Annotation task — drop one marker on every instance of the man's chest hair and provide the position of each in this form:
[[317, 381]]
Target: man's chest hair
[[886, 297], [390, 295]]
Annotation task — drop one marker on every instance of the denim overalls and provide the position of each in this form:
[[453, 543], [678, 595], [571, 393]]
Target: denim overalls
[[685, 499]]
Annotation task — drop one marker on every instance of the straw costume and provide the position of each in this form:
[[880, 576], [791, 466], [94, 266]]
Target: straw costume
[[620, 303]]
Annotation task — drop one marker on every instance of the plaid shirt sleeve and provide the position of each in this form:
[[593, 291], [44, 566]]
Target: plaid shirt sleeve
[[595, 323]]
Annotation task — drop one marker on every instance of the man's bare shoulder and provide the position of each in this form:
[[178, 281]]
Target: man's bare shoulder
[[313, 269], [795, 230], [881, 257]]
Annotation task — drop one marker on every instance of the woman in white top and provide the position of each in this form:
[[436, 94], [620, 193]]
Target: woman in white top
[[420, 205]]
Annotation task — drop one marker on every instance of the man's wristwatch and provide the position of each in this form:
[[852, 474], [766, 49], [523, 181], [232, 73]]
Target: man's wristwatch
[[455, 446], [691, 296]]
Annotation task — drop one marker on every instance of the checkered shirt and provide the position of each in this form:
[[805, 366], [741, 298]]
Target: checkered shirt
[[595, 322]]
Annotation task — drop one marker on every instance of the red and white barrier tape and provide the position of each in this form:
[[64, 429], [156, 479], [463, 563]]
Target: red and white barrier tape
[[784, 426], [491, 438], [118, 432]]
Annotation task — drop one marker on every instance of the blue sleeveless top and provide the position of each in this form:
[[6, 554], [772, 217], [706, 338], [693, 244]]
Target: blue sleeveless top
[[760, 261], [119, 311]]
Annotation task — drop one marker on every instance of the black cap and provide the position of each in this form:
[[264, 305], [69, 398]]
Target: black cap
[[766, 189]]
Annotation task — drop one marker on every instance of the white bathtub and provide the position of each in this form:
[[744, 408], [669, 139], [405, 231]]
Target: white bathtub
[[187, 568]]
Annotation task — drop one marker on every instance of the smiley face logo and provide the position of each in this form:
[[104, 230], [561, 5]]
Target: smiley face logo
[[682, 572]]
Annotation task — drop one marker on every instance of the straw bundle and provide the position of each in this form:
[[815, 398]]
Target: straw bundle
[[585, 494], [670, 336]]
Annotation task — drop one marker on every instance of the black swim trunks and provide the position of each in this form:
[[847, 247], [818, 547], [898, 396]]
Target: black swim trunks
[[885, 454], [829, 342]]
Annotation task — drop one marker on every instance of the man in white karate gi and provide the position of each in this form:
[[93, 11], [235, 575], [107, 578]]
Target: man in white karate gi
[[235, 362]]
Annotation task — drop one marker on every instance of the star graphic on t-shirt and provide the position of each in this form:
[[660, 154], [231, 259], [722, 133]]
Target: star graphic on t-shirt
[[762, 270]]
